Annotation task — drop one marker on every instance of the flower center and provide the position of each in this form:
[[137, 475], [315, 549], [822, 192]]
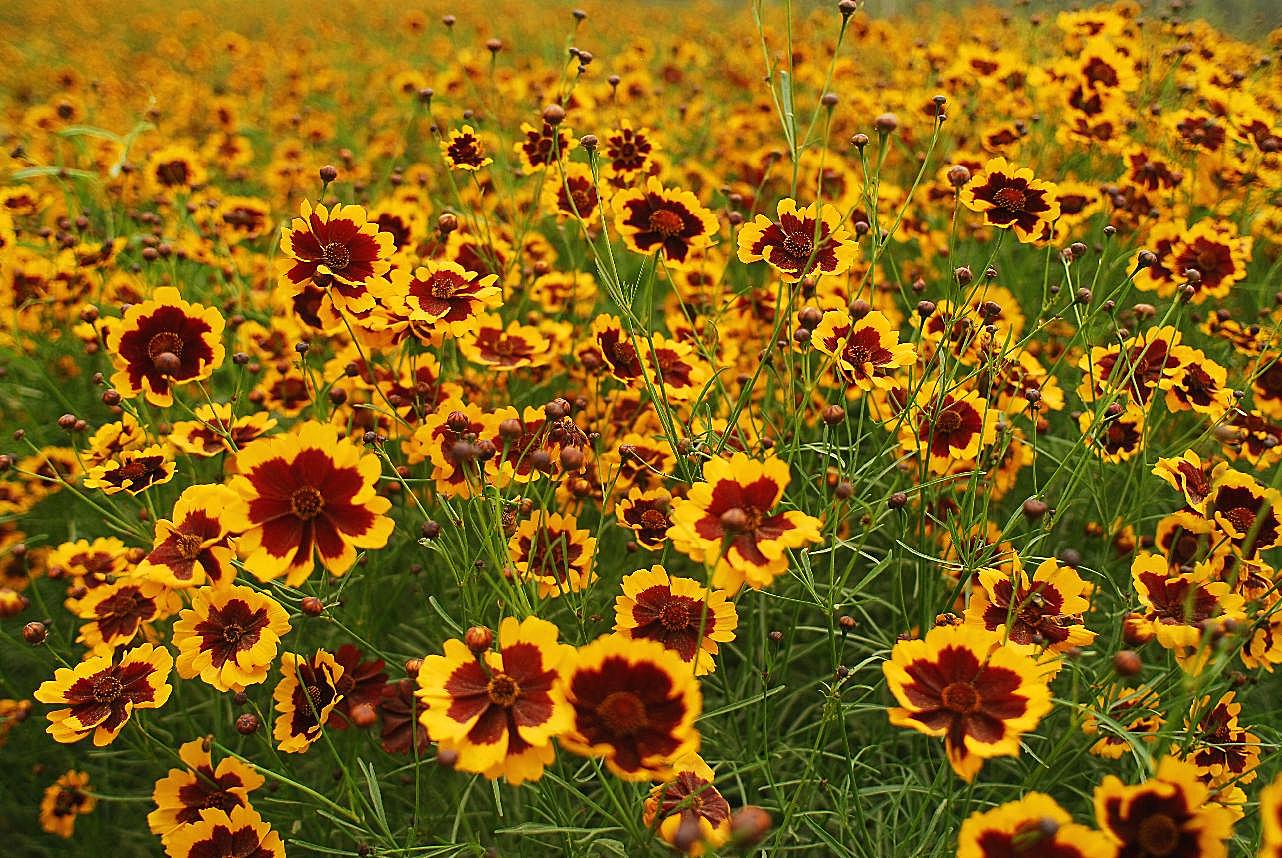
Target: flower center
[[1241, 518], [652, 519], [1159, 835], [960, 697], [859, 355], [442, 287], [1011, 199], [503, 690], [107, 689], [623, 712], [674, 615], [798, 245], [666, 222], [164, 342], [336, 256], [306, 502], [232, 634], [221, 799], [949, 422], [314, 695], [188, 545]]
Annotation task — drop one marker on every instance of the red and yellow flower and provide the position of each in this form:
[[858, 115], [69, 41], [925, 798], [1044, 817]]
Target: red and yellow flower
[[553, 551], [653, 219], [99, 696], [182, 794], [679, 613], [498, 711], [728, 519], [1044, 611], [229, 636], [132, 471], [1168, 815], [1010, 198], [164, 342], [193, 548], [864, 350], [64, 800], [809, 241], [961, 683], [1034, 826], [687, 811], [338, 251], [305, 696], [634, 704], [240, 832], [308, 495]]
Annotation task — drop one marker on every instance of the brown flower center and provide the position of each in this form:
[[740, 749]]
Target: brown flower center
[[1011, 199], [741, 520], [674, 615], [1241, 518], [314, 694], [503, 690], [107, 689], [232, 634], [336, 256], [798, 245], [653, 519], [960, 697], [306, 502], [165, 342], [188, 545], [623, 712], [949, 422], [442, 287], [1159, 835], [666, 222]]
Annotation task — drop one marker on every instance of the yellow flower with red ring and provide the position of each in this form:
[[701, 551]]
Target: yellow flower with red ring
[[464, 150], [99, 696], [555, 552], [809, 241], [1034, 826], [305, 696], [442, 292], [339, 251], [117, 611], [498, 711], [489, 343], [132, 471], [729, 519], [652, 219], [948, 428], [1010, 198], [192, 548], [1044, 611], [215, 430], [865, 350], [1179, 609], [183, 793], [963, 684], [1190, 476], [679, 613], [1169, 814], [163, 342], [1249, 513], [308, 494], [635, 704], [691, 813], [229, 636], [63, 801], [220, 832]]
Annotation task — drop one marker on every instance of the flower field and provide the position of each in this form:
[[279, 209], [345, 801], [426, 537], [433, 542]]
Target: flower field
[[755, 428]]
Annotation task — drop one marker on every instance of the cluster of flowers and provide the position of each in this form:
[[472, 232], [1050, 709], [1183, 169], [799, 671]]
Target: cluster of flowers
[[679, 345]]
